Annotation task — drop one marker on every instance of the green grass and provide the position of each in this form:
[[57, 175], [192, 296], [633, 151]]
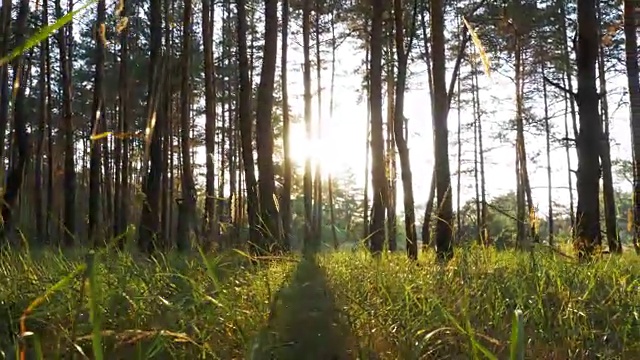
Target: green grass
[[483, 304]]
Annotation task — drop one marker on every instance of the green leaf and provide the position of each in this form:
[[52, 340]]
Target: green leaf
[[43, 33]]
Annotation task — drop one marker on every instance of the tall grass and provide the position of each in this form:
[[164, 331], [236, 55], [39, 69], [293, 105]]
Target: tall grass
[[483, 304]]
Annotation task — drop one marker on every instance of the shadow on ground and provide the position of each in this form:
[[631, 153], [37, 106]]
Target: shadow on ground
[[305, 322]]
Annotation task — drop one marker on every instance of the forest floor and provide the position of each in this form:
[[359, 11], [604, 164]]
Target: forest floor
[[330, 306]]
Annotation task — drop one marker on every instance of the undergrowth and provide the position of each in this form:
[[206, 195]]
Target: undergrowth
[[124, 306]]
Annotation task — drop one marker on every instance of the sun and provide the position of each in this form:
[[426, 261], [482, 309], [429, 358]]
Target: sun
[[341, 149]]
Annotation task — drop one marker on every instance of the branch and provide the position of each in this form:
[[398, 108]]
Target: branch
[[560, 87]]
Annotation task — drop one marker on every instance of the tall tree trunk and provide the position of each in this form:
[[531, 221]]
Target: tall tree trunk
[[588, 175], [69, 229], [44, 116], [271, 233], [568, 82], [285, 203], [122, 142], [49, 213], [211, 221], [365, 199], [444, 244], [307, 181], [378, 176], [5, 31], [317, 182], [459, 160], [484, 213], [150, 217], [390, 153], [97, 118], [633, 83], [476, 151], [20, 136], [334, 234], [398, 118], [547, 130], [246, 125], [521, 238], [608, 192], [188, 185]]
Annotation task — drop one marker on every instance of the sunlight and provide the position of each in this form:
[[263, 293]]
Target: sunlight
[[342, 147]]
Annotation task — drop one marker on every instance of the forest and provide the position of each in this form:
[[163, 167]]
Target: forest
[[319, 179]]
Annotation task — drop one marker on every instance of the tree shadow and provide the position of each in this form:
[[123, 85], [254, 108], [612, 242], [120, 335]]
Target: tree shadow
[[305, 322]]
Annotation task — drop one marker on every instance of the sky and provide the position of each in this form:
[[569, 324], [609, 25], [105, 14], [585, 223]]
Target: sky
[[343, 145]]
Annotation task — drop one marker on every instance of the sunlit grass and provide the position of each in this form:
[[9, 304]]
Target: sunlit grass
[[483, 304], [569, 310]]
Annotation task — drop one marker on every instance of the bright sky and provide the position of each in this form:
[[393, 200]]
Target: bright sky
[[343, 145]]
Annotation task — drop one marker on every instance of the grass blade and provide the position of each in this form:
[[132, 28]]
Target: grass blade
[[43, 33], [517, 336]]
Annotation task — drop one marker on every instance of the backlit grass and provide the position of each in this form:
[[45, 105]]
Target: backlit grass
[[344, 304]]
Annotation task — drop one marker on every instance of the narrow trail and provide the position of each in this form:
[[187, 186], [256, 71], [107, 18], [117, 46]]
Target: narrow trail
[[306, 323]]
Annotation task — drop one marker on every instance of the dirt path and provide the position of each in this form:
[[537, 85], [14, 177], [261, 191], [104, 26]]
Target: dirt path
[[306, 323]]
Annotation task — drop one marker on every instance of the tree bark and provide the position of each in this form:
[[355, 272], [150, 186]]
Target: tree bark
[[271, 234], [398, 118], [150, 217], [608, 192], [588, 175], [376, 228], [633, 83], [317, 182], [307, 181], [444, 243], [285, 203], [548, 141], [15, 176], [69, 223], [211, 220], [246, 127]]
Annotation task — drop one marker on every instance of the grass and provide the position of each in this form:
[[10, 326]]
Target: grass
[[483, 304]]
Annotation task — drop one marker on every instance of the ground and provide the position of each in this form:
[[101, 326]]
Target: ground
[[343, 305]]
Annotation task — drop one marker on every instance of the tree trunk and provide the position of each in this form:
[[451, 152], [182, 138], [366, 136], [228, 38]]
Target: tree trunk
[[5, 31], [264, 130], [188, 185], [476, 150], [428, 211], [608, 192], [568, 82], [390, 154], [307, 181], [484, 213], [547, 130], [317, 182], [285, 203], [334, 234], [21, 137], [150, 217], [44, 117], [69, 229], [588, 175], [122, 149], [365, 199], [378, 176], [97, 119], [211, 221], [633, 83], [246, 126], [398, 118], [444, 244]]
